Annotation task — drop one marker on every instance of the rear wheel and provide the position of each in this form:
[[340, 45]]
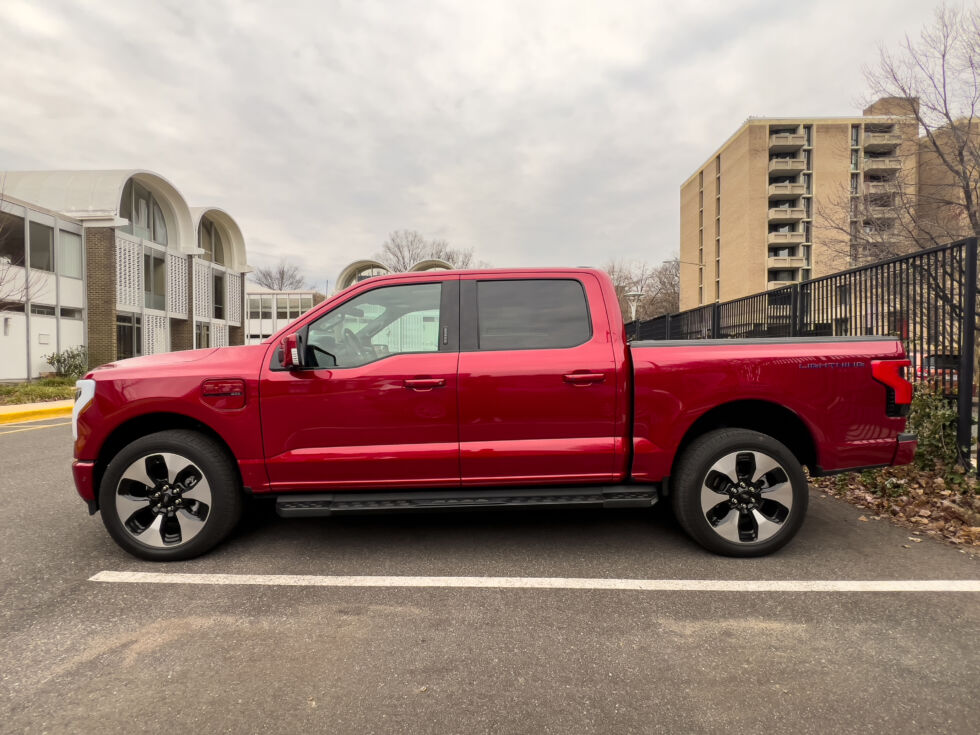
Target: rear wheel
[[169, 496], [739, 493]]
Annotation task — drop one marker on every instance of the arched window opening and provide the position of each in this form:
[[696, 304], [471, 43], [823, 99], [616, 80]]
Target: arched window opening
[[209, 240], [141, 208]]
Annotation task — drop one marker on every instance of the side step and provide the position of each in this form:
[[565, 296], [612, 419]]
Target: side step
[[304, 505]]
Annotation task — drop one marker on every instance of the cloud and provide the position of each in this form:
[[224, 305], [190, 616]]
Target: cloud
[[537, 133]]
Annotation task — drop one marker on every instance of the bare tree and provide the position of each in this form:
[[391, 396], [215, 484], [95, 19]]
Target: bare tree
[[283, 276], [660, 286], [936, 198], [405, 248]]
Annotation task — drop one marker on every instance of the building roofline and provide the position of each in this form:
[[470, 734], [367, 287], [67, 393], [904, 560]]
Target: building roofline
[[752, 120]]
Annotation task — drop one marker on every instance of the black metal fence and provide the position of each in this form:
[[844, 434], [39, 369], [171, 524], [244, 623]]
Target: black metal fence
[[928, 300]]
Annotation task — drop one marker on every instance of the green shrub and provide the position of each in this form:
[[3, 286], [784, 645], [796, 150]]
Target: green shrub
[[70, 363], [933, 418]]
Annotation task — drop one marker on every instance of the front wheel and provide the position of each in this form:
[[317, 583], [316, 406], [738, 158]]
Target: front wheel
[[739, 493], [170, 495]]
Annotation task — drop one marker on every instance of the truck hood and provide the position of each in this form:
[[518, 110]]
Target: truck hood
[[239, 357]]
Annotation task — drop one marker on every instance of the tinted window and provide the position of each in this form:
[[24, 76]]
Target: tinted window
[[382, 322], [531, 314]]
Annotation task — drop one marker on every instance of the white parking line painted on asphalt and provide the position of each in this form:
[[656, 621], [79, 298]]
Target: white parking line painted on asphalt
[[557, 583]]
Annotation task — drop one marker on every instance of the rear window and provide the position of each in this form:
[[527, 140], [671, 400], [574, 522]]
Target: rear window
[[532, 314]]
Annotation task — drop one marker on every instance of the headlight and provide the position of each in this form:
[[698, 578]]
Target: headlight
[[84, 393]]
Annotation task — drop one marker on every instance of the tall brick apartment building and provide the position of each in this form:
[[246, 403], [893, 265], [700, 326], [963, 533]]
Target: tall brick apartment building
[[760, 212], [116, 261]]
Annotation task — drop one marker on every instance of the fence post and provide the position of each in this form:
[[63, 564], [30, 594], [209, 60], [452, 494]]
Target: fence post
[[964, 424], [794, 309], [667, 328], [716, 321]]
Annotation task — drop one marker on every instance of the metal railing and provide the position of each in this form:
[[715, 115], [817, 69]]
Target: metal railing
[[927, 299]]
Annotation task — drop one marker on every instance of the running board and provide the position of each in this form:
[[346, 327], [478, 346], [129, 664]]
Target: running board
[[303, 505]]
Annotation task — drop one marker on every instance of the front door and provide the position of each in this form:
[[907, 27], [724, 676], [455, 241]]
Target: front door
[[537, 382], [375, 406]]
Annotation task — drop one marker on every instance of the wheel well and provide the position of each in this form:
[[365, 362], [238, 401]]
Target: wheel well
[[130, 431], [760, 416]]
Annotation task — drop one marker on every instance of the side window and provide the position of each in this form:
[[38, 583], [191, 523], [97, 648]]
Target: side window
[[531, 314], [386, 321]]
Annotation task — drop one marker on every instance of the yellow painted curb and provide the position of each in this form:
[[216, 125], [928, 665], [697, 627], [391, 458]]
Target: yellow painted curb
[[34, 414]]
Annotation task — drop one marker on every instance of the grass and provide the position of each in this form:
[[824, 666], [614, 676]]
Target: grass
[[44, 389]]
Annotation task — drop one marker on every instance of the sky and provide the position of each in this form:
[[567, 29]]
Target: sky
[[536, 133]]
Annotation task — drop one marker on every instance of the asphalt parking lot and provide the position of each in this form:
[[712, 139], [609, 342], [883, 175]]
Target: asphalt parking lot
[[87, 656]]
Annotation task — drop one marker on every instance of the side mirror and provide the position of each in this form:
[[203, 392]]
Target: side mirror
[[289, 350]]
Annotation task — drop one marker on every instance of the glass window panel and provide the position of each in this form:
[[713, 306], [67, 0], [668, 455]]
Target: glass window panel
[[254, 305], [42, 247], [70, 254], [532, 314], [159, 225], [154, 281], [205, 240], [282, 307], [141, 212], [266, 307], [219, 247], [70, 313], [12, 238], [382, 322], [219, 296], [305, 303], [294, 307], [124, 336]]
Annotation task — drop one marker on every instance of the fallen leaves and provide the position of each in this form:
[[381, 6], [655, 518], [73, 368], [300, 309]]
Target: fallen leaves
[[944, 503]]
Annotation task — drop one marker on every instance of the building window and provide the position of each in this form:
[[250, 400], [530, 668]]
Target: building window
[[218, 281], [202, 335], [129, 336], [266, 307], [11, 239], [69, 313], [282, 307], [305, 303], [42, 247], [254, 304], [144, 213], [855, 136], [209, 240], [69, 254], [855, 159], [294, 311], [154, 281], [42, 310]]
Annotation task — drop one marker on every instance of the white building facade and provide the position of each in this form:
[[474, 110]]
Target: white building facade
[[118, 262], [269, 311]]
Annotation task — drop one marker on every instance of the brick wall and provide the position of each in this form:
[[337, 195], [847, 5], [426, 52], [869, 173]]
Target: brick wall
[[100, 271]]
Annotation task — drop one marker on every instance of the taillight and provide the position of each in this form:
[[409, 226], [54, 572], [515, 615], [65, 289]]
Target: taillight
[[889, 374]]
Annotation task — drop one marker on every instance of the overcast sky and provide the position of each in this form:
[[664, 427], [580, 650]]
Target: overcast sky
[[537, 133]]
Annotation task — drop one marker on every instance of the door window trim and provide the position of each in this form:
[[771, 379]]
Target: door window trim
[[448, 325], [469, 317]]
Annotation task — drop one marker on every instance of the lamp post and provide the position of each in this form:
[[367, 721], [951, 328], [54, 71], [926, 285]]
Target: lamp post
[[633, 297]]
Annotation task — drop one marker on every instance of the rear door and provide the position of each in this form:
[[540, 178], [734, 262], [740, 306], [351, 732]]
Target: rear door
[[537, 381]]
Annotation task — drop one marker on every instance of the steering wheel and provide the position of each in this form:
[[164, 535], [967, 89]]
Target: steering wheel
[[351, 343]]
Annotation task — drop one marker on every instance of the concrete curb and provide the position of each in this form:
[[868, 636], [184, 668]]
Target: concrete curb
[[35, 411]]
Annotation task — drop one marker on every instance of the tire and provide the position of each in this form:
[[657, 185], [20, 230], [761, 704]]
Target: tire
[[171, 495], [750, 519]]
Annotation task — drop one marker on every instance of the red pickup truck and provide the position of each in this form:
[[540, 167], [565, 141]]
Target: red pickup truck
[[473, 389]]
